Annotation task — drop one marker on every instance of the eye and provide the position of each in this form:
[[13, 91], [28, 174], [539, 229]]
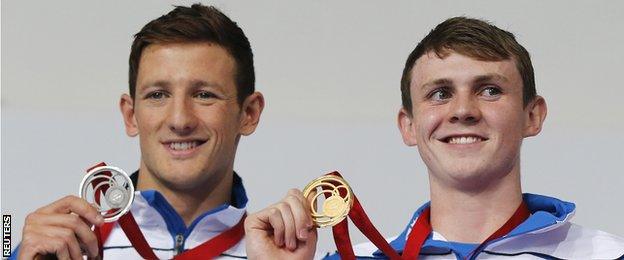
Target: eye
[[155, 95], [205, 95], [440, 94], [491, 91]]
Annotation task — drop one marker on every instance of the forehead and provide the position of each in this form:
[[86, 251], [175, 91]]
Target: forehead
[[460, 68], [185, 61]]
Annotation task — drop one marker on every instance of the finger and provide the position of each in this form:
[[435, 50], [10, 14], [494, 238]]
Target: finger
[[90, 242], [299, 196], [73, 204], [62, 251], [300, 213], [277, 223], [74, 222], [37, 243], [290, 232], [64, 241], [48, 248]]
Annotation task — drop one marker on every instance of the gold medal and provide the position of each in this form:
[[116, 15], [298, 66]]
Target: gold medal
[[338, 202]]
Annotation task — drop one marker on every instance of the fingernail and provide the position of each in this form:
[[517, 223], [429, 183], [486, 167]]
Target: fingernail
[[99, 219], [303, 234]]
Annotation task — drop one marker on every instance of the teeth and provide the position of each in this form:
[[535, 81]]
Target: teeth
[[464, 140], [182, 146]]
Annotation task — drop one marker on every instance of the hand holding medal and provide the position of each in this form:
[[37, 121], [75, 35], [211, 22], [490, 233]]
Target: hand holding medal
[[285, 230]]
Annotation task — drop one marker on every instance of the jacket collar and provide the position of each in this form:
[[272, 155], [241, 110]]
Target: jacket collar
[[151, 205], [546, 213]]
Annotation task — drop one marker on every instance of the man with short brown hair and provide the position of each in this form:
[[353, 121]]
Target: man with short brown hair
[[191, 98], [469, 100]]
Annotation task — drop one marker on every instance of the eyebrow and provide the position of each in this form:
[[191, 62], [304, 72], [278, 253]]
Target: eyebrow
[[437, 82], [159, 83], [478, 79], [203, 83], [490, 77], [194, 84]]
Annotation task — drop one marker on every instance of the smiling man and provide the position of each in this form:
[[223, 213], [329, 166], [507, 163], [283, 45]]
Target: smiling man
[[191, 98], [469, 100]]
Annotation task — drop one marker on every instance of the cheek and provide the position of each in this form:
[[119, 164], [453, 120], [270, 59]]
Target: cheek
[[507, 121], [427, 121], [221, 120], [147, 121]]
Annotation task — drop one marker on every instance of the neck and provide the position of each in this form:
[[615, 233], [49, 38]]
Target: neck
[[189, 203], [471, 216]]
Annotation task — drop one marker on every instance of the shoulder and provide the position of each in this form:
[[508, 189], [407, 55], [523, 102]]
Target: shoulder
[[567, 241]]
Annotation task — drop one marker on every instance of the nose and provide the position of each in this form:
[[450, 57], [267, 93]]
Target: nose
[[465, 110], [181, 118]]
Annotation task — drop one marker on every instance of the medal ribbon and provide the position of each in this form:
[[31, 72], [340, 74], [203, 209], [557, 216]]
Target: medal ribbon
[[422, 229], [207, 250], [363, 223], [418, 235]]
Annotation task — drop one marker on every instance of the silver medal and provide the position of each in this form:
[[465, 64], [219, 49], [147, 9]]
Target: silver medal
[[115, 191]]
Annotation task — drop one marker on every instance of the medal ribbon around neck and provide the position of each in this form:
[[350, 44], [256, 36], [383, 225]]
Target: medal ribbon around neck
[[207, 250], [334, 215], [422, 229]]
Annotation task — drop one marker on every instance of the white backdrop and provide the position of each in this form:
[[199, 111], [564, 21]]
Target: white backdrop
[[330, 73]]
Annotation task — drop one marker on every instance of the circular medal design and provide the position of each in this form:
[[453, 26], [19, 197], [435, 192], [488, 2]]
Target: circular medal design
[[338, 202], [109, 189], [334, 206]]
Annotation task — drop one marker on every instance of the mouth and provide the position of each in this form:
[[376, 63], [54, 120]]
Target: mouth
[[183, 148], [463, 139]]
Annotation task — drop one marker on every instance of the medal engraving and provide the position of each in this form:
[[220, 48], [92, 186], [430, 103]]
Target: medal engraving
[[338, 202], [334, 206], [109, 189], [115, 197]]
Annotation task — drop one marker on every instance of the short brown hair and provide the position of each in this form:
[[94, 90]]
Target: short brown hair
[[476, 39], [197, 23]]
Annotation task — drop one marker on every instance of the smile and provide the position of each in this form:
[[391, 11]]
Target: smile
[[182, 149], [464, 139], [179, 146]]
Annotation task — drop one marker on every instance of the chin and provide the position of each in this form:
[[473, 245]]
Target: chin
[[467, 175], [473, 178], [183, 181], [180, 176]]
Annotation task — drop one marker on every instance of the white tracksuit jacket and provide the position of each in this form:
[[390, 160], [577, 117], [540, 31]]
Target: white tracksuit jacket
[[546, 234]]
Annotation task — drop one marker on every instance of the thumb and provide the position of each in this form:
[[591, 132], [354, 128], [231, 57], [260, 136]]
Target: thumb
[[257, 221]]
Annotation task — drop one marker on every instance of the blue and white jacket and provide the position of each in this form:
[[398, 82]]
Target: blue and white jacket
[[546, 234], [166, 232]]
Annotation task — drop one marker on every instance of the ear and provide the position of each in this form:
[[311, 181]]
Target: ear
[[535, 113], [407, 127], [250, 113], [126, 105]]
